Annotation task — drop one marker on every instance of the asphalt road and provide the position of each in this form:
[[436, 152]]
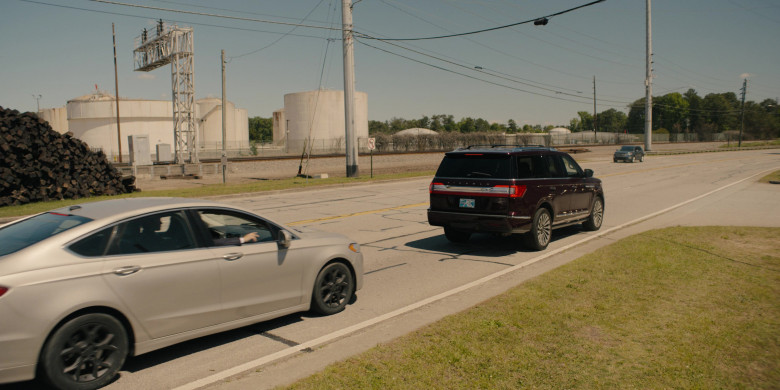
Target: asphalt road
[[414, 276]]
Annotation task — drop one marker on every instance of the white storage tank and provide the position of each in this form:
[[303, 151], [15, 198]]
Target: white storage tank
[[57, 118], [92, 119], [319, 117], [209, 114]]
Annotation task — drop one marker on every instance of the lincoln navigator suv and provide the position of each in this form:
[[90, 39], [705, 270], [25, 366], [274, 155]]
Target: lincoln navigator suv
[[512, 189]]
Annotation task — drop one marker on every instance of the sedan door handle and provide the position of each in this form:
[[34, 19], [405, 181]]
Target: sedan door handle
[[233, 256], [128, 270]]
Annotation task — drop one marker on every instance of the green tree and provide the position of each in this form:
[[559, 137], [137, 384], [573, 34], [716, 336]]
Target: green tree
[[670, 112], [586, 120], [612, 120], [377, 127], [695, 113], [512, 126], [261, 129], [721, 110]]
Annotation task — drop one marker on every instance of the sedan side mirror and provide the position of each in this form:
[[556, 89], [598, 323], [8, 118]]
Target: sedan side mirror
[[284, 239], [588, 173]]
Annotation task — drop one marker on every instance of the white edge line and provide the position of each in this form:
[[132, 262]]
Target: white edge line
[[365, 324]]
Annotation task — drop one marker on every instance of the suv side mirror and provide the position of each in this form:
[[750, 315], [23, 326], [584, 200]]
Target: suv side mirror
[[284, 239], [588, 173]]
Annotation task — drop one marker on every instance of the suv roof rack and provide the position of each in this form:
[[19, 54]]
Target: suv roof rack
[[521, 147]]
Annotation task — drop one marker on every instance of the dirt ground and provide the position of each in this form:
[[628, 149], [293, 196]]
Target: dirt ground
[[249, 171]]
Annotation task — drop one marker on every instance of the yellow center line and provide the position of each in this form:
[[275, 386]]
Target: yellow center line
[[669, 166], [307, 221]]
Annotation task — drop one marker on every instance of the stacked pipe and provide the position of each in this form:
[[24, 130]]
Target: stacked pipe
[[39, 164]]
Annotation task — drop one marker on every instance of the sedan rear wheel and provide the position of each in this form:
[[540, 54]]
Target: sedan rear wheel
[[333, 289], [541, 230], [85, 353]]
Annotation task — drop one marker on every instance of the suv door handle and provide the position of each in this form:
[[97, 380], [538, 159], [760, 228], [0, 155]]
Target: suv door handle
[[127, 270], [233, 256]]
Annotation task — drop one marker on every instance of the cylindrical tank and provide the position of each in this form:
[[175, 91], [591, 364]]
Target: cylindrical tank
[[92, 119], [319, 117], [57, 118], [209, 112]]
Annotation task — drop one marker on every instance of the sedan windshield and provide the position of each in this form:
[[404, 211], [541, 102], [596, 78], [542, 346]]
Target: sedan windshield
[[20, 235]]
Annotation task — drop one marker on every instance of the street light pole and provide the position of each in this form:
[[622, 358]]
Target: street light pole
[[37, 102]]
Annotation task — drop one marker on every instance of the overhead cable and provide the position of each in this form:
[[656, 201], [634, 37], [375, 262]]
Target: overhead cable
[[541, 18]]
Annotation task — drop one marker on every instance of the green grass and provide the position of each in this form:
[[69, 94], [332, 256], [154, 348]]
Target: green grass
[[774, 176], [683, 307], [212, 190], [733, 144]]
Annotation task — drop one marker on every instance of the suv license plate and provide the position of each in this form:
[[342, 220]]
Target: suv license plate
[[467, 203]]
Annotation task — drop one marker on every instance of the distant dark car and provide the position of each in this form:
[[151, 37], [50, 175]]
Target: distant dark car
[[629, 153], [506, 190]]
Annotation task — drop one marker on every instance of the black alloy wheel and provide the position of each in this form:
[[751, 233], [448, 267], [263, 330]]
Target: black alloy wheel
[[333, 289], [85, 353]]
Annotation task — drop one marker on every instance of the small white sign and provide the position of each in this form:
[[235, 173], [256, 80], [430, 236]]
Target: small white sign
[[371, 143]]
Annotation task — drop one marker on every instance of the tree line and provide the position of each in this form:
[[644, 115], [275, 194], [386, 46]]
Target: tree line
[[673, 114]]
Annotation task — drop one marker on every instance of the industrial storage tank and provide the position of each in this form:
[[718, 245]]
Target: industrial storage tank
[[316, 119], [57, 118], [209, 114], [92, 119]]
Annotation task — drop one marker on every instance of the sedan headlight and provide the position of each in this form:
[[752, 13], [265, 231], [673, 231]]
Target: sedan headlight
[[354, 247]]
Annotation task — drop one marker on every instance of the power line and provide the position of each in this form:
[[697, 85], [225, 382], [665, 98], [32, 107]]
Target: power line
[[212, 15], [542, 19], [466, 75], [167, 20], [282, 37]]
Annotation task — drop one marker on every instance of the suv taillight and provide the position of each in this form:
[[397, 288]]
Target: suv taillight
[[513, 191], [3, 290]]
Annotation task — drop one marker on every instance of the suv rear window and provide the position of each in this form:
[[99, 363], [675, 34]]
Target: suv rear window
[[476, 166], [20, 235]]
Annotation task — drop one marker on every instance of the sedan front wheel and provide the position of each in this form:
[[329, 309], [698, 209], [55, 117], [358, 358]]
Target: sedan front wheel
[[333, 289]]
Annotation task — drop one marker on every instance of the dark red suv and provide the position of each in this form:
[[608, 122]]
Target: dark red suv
[[513, 189]]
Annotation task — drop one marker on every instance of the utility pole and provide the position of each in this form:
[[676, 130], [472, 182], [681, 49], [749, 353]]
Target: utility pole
[[224, 122], [744, 91], [595, 133], [349, 89], [37, 103], [649, 84], [116, 92]]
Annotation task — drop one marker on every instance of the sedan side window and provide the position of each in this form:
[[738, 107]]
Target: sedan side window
[[233, 228]]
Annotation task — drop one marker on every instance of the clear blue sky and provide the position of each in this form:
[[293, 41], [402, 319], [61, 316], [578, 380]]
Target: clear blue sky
[[61, 52]]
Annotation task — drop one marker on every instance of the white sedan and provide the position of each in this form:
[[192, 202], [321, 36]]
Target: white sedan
[[84, 286]]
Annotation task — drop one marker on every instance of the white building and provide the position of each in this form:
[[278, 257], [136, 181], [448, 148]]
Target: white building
[[92, 119]]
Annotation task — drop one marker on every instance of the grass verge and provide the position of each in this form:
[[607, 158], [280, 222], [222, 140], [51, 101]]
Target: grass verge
[[683, 307], [211, 190], [774, 176], [733, 144]]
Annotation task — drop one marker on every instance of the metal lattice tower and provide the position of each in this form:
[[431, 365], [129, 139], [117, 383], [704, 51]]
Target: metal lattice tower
[[173, 45]]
